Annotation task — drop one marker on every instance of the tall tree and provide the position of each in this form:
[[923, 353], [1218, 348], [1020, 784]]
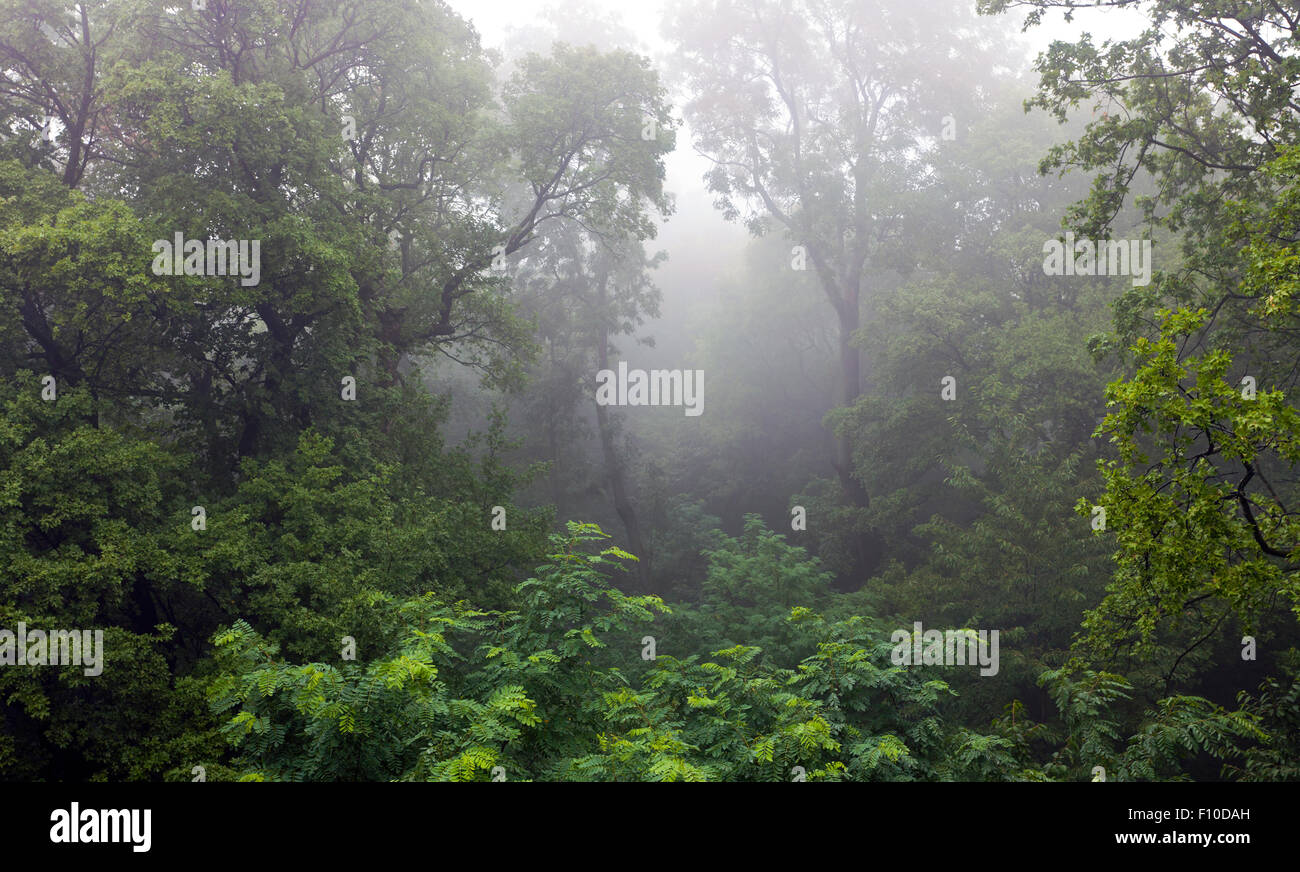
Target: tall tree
[[1202, 497], [817, 115], [585, 290], [327, 132]]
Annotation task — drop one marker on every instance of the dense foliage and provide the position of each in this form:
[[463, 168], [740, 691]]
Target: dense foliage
[[349, 522]]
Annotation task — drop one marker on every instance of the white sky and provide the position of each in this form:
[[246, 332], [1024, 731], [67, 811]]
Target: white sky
[[698, 240], [495, 18]]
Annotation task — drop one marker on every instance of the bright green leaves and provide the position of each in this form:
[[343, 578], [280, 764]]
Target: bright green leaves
[[461, 683], [1193, 499], [558, 690], [1270, 255]]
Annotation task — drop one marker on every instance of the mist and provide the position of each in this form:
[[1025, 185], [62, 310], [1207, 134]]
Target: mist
[[690, 390]]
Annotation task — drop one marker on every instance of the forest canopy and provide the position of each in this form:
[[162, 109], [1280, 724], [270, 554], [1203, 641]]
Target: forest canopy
[[335, 342]]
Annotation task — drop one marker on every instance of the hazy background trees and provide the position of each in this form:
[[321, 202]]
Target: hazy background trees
[[469, 233]]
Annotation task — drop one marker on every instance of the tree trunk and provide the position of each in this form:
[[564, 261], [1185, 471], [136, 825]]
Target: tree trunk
[[617, 484], [868, 546]]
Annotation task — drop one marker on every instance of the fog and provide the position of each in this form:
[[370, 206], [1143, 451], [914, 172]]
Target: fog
[[699, 390]]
